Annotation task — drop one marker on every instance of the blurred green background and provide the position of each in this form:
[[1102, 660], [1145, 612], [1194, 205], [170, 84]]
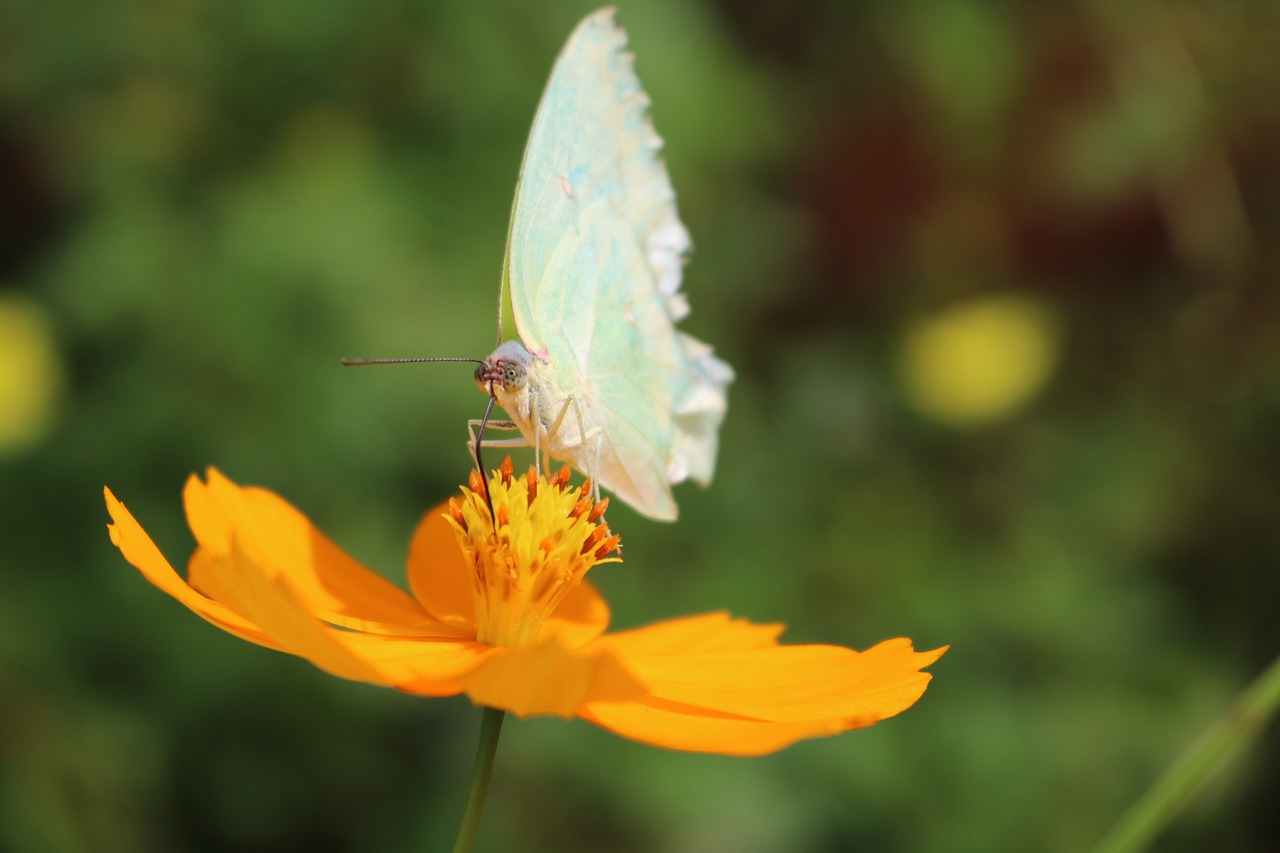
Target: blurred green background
[[999, 283]]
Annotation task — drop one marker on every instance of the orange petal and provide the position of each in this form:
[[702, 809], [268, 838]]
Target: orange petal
[[548, 678], [142, 553], [707, 632], [439, 575], [581, 617], [673, 726], [428, 666], [757, 701], [273, 603], [792, 683], [276, 537]]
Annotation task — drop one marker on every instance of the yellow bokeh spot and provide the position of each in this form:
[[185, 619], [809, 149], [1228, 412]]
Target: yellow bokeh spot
[[979, 360], [30, 374]]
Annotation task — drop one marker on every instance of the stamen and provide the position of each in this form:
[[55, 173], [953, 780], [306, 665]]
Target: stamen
[[583, 504], [598, 511], [608, 546], [455, 512], [532, 553], [561, 478], [592, 540], [475, 482]]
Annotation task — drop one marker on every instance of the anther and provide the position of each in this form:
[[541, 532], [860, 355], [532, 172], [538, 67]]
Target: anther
[[455, 512], [608, 546], [597, 512], [506, 469], [596, 535], [583, 504]]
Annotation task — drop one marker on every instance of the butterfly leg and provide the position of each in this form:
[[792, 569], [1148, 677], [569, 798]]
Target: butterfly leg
[[537, 440], [473, 424], [595, 466], [594, 473], [554, 429], [583, 437]]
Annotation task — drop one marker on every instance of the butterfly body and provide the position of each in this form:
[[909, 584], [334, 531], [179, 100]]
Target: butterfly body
[[600, 376], [529, 390]]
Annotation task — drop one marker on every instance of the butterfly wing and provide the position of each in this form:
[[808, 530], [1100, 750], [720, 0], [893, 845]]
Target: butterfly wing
[[593, 267]]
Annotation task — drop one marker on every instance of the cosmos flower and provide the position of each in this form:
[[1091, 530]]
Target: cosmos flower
[[504, 614]]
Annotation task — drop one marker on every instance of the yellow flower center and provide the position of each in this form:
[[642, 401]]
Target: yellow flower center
[[547, 536]]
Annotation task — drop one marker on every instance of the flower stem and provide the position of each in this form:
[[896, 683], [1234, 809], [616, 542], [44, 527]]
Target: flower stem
[[490, 728]]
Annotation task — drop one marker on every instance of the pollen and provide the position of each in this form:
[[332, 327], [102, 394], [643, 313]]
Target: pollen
[[548, 536]]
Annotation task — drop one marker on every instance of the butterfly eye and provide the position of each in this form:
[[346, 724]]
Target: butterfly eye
[[511, 373]]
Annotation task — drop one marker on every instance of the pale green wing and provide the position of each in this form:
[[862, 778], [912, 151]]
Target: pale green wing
[[594, 259], [591, 140], [623, 363]]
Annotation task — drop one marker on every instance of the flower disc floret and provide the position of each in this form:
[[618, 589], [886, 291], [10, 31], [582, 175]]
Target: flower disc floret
[[547, 536]]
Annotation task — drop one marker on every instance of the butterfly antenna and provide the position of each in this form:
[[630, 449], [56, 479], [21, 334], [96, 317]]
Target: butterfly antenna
[[484, 422], [358, 362]]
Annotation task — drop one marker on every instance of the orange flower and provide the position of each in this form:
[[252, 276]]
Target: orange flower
[[506, 617]]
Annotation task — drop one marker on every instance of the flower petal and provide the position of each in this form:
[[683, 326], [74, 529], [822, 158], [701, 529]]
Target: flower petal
[[276, 536], [439, 576], [706, 632], [549, 678], [581, 617], [792, 683], [275, 604], [427, 666], [756, 701], [142, 553], [675, 726]]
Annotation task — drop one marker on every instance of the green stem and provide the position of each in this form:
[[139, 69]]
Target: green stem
[[1210, 753], [490, 728]]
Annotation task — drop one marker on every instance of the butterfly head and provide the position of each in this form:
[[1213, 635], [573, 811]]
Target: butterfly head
[[504, 372]]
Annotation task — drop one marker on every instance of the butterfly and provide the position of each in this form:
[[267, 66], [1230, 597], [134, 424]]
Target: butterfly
[[599, 376]]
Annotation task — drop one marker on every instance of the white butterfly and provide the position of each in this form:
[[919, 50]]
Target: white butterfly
[[600, 377]]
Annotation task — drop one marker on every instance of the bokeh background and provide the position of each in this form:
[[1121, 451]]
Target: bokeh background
[[999, 281]]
